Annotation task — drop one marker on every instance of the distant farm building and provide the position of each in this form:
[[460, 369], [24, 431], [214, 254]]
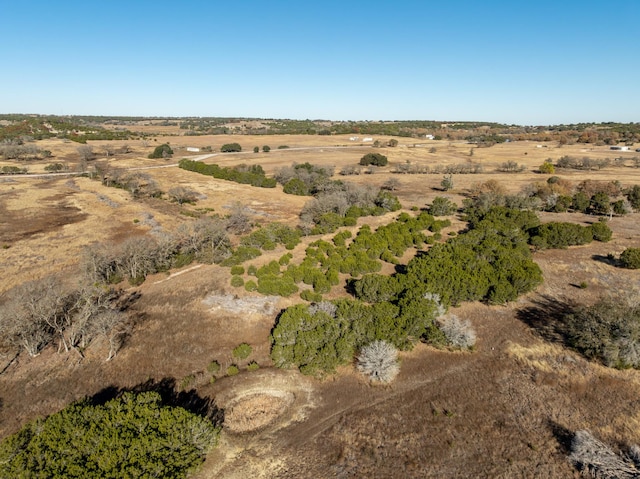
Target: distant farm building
[[193, 149], [367, 139], [354, 138], [429, 137], [619, 148]]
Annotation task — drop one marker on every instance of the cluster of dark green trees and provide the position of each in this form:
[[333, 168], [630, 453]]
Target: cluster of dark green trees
[[231, 148], [375, 159], [249, 175], [490, 262], [135, 435], [265, 238], [556, 235], [325, 261]]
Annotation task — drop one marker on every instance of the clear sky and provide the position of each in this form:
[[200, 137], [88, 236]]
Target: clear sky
[[523, 62]]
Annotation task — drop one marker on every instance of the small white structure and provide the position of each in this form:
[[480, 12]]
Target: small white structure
[[193, 149], [354, 138], [619, 148], [367, 139], [429, 137]]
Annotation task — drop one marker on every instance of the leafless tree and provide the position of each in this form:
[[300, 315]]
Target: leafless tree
[[89, 301], [86, 152], [113, 326], [391, 184], [238, 221], [109, 150], [136, 257], [182, 194], [379, 362], [100, 263], [596, 459], [459, 333], [33, 313]]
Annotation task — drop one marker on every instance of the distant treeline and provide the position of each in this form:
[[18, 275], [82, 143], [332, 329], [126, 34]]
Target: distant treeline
[[24, 128], [484, 133]]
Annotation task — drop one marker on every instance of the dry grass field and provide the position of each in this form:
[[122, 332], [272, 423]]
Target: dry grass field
[[505, 410]]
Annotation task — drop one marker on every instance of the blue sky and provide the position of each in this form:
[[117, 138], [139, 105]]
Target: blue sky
[[530, 63]]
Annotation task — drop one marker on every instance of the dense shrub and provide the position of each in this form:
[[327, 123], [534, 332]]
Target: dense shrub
[[268, 237], [312, 342], [375, 159], [608, 331], [161, 151], [237, 281], [630, 258], [547, 168], [633, 195], [560, 235], [231, 148], [601, 231], [442, 206], [131, 436]]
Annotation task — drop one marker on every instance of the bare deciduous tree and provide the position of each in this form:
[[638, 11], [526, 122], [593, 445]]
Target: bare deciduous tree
[[182, 194], [459, 333], [239, 221], [86, 152], [391, 184], [595, 459], [33, 313], [112, 325], [379, 362]]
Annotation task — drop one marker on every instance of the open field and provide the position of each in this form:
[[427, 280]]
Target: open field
[[504, 410]]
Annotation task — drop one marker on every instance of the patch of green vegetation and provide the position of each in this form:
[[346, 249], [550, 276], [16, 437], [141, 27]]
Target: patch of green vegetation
[[134, 435], [242, 351]]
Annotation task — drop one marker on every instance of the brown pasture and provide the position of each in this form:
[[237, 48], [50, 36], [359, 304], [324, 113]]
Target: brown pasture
[[504, 410]]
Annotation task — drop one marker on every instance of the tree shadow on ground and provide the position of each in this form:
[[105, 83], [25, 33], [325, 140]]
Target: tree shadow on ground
[[605, 259], [563, 435], [545, 316], [166, 387]]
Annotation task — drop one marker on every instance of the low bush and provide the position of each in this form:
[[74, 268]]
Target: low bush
[[242, 351], [213, 367], [237, 269]]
